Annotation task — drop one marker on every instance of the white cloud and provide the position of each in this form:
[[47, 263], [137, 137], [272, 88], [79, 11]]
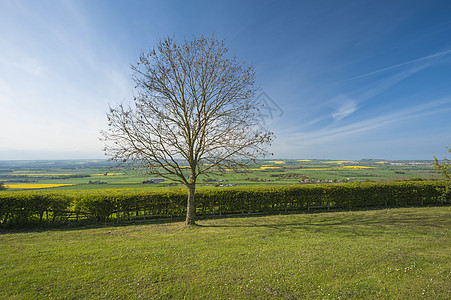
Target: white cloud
[[346, 108]]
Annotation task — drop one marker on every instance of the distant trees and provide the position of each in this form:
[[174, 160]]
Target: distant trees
[[444, 166], [2, 186], [194, 114]]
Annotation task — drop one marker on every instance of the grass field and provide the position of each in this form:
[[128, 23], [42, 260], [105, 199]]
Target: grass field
[[377, 254]]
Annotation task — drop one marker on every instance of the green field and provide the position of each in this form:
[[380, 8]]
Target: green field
[[377, 254], [81, 175]]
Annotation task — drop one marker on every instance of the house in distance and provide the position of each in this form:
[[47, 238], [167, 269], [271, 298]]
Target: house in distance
[[153, 180]]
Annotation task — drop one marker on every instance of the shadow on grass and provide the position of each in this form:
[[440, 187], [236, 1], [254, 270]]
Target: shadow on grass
[[43, 227], [322, 220], [373, 220]]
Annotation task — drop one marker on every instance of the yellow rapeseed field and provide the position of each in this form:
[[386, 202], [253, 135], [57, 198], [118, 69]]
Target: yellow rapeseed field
[[277, 162], [230, 170], [318, 169], [304, 160], [338, 168], [358, 167], [40, 174], [340, 162], [36, 185], [108, 174]]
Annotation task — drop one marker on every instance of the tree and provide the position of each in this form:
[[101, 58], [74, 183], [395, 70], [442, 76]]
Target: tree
[[444, 167], [2, 186], [194, 114]]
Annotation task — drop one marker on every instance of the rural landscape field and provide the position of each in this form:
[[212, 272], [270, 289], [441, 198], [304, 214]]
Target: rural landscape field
[[78, 175], [225, 149], [370, 253]]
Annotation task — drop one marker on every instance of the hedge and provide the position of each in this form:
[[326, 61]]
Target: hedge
[[32, 208], [25, 208]]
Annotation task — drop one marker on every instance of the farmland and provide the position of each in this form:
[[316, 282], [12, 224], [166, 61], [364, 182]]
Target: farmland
[[371, 253], [89, 175]]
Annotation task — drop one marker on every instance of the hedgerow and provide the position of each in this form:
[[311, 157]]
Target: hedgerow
[[31, 208]]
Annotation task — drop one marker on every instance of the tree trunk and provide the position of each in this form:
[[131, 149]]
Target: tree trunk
[[191, 206]]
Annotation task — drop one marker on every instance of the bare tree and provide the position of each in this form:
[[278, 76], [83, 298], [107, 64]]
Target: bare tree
[[444, 167], [194, 114]]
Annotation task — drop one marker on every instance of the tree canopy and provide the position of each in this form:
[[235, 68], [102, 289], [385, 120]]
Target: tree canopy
[[194, 114]]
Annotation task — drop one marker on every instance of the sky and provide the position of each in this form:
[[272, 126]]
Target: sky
[[343, 79]]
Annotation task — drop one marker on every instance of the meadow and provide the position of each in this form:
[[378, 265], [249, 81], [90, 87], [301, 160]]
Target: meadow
[[400, 253]]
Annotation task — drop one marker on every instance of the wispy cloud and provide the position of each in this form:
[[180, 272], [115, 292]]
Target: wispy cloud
[[348, 104], [421, 59], [345, 108], [376, 87], [326, 135]]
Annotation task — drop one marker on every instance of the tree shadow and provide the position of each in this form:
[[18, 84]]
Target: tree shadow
[[87, 226], [318, 221], [380, 220]]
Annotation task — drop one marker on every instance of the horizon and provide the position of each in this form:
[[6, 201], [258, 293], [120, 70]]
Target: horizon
[[262, 159], [343, 80]]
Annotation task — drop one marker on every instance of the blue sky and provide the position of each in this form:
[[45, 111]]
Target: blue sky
[[347, 79]]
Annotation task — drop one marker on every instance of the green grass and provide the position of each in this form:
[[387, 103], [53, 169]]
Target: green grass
[[377, 254]]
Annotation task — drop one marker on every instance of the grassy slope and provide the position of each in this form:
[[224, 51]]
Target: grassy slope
[[394, 253]]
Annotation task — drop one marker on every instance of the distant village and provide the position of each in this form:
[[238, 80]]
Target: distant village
[[225, 183]]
